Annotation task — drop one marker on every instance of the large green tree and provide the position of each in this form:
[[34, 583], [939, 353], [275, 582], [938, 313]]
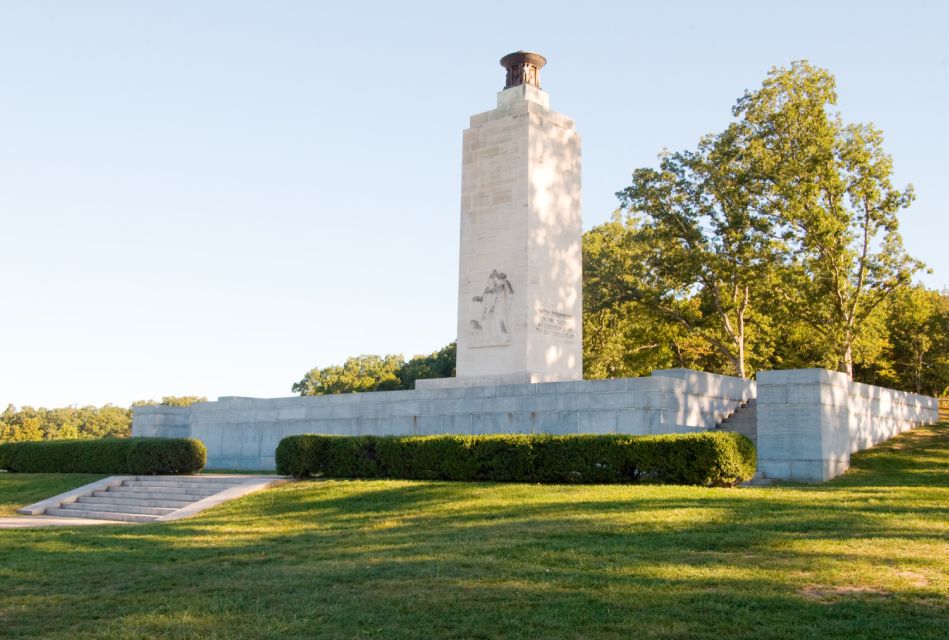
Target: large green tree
[[704, 252], [828, 188], [357, 374], [377, 373], [917, 324], [439, 364], [774, 241], [622, 337]]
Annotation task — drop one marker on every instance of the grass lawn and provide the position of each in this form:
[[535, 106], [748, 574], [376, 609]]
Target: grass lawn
[[865, 556], [20, 489]]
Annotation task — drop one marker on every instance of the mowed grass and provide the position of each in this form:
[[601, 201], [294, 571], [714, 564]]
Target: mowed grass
[[865, 556], [20, 489]]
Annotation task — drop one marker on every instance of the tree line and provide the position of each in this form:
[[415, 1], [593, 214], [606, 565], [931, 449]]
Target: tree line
[[69, 423], [377, 373]]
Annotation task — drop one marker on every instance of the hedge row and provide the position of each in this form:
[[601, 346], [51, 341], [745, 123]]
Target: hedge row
[[140, 456], [709, 458]]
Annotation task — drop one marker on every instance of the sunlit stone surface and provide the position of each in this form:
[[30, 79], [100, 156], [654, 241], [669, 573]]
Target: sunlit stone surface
[[519, 289]]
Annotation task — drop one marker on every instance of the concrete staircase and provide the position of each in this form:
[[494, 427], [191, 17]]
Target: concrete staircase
[[744, 421], [144, 498]]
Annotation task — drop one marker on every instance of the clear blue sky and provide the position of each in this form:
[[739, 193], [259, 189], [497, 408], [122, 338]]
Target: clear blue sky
[[213, 197]]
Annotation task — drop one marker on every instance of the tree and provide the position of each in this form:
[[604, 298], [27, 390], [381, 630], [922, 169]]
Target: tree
[[829, 191], [377, 373], [781, 228], [622, 337], [105, 422], [171, 401], [918, 325], [18, 426], [704, 243], [357, 374], [440, 364], [63, 423]]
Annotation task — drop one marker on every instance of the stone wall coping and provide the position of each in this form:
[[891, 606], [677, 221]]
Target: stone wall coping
[[162, 408], [826, 377], [676, 381]]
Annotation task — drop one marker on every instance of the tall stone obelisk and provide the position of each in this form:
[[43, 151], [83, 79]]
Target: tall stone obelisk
[[519, 289]]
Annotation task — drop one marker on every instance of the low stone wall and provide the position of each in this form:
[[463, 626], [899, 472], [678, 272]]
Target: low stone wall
[[811, 420], [161, 421], [243, 433]]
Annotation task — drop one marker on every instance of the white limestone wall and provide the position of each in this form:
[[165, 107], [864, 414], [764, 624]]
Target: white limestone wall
[[161, 420], [875, 414], [811, 420], [243, 433]]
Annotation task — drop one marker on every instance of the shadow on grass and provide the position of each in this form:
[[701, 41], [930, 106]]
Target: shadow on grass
[[913, 459]]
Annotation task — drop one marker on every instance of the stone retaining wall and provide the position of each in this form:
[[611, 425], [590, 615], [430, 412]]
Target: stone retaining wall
[[811, 420], [243, 433]]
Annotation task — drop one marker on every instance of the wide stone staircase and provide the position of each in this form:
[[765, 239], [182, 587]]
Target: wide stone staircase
[[144, 498], [744, 421]]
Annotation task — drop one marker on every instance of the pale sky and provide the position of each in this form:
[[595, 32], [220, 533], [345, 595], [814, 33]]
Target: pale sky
[[212, 197]]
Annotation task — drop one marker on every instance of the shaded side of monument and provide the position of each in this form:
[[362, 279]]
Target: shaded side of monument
[[519, 366]]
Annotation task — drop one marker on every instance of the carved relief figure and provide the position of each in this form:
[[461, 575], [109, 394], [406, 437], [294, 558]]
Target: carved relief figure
[[492, 327]]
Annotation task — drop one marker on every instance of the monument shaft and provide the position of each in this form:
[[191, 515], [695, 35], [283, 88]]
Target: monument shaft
[[519, 293]]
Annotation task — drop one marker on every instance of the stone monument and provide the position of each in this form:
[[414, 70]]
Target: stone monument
[[519, 286], [519, 322]]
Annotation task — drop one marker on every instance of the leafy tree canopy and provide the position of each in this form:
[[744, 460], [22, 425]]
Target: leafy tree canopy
[[376, 373], [781, 231], [171, 401], [28, 423]]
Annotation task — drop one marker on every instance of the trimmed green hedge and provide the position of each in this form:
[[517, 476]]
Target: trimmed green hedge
[[140, 456], [708, 458]]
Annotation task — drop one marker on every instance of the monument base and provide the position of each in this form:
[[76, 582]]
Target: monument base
[[808, 421], [243, 433], [521, 377]]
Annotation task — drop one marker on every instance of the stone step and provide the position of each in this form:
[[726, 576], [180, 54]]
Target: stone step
[[732, 426], [183, 482], [117, 508], [148, 495], [142, 499], [743, 421], [178, 484], [739, 426], [139, 502], [184, 491], [101, 515], [193, 478]]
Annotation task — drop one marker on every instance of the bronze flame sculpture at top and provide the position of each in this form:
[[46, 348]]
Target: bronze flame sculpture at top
[[523, 67]]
